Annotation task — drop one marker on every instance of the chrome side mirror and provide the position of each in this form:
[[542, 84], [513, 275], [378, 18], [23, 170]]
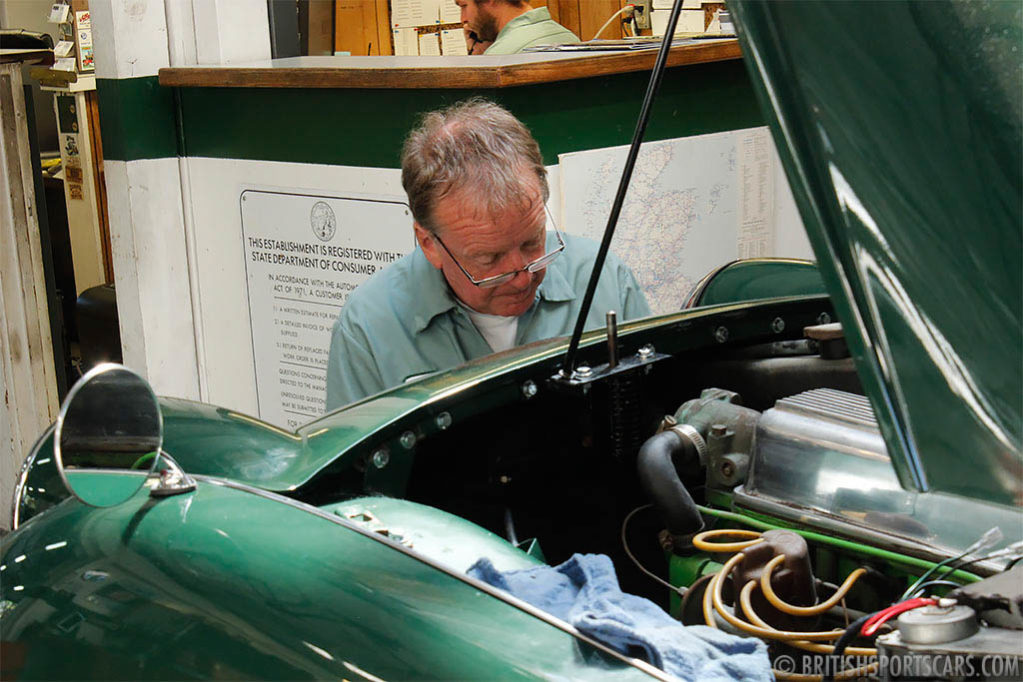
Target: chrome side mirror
[[108, 436]]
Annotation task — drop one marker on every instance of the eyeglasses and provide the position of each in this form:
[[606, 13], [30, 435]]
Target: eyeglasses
[[533, 266]]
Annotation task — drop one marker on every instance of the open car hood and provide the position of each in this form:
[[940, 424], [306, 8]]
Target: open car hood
[[899, 126]]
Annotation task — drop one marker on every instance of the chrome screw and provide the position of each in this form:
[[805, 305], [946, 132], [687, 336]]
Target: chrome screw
[[408, 440], [721, 334], [443, 421], [646, 351], [778, 325], [583, 371], [529, 389], [381, 458], [824, 318]]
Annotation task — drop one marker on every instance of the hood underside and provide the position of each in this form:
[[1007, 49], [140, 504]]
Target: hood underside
[[899, 125]]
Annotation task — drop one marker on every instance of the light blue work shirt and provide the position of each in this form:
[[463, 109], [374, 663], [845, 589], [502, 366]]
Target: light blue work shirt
[[405, 321], [535, 27]]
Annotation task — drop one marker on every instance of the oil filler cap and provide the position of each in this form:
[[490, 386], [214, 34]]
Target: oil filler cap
[[937, 624]]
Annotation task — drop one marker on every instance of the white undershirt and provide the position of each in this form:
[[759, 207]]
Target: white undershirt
[[498, 330]]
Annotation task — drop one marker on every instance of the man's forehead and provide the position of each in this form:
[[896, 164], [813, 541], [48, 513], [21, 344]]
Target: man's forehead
[[479, 206]]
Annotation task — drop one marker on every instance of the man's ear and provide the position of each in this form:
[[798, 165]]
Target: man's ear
[[427, 242]]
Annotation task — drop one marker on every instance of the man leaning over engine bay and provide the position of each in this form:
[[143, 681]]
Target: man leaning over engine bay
[[488, 274]]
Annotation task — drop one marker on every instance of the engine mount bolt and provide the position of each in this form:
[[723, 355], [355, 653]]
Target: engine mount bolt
[[646, 351], [443, 421], [721, 334], [408, 440], [778, 325], [824, 318], [381, 458], [529, 389]]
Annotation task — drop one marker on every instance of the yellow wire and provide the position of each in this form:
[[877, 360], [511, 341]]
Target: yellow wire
[[712, 601], [701, 543], [782, 635], [815, 610], [747, 608], [708, 605], [856, 673]]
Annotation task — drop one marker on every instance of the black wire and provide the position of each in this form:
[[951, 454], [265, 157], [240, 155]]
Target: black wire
[[962, 567], [841, 644], [623, 185]]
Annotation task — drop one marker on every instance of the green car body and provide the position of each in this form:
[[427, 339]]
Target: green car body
[[903, 151]]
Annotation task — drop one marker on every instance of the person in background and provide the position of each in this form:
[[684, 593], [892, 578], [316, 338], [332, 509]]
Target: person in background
[[487, 275], [508, 26]]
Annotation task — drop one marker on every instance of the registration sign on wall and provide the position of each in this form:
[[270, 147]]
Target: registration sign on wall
[[304, 256]]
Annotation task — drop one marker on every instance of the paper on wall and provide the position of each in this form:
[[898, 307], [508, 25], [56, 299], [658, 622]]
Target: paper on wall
[[406, 42], [83, 35], [429, 45], [452, 42], [449, 12], [409, 14], [756, 191], [58, 13]]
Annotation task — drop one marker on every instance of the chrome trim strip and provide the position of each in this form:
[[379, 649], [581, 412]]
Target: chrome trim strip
[[19, 487], [473, 582]]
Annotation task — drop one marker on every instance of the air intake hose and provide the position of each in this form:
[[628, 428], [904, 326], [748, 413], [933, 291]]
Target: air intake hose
[[659, 478]]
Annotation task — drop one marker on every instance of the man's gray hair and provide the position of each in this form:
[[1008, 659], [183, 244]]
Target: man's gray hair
[[474, 146]]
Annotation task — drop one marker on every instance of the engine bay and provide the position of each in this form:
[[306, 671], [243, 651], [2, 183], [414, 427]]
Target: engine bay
[[746, 489]]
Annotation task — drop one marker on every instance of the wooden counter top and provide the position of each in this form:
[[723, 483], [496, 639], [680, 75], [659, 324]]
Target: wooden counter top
[[440, 72]]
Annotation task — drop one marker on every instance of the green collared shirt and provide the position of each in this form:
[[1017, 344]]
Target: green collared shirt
[[535, 27], [405, 322]]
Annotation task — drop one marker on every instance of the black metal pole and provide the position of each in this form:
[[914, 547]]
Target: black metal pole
[[623, 185]]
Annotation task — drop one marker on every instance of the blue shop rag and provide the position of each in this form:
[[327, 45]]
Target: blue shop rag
[[584, 592]]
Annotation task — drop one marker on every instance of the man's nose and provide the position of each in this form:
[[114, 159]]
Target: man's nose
[[518, 260]]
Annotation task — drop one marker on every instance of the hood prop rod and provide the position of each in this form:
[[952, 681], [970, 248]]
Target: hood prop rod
[[623, 186]]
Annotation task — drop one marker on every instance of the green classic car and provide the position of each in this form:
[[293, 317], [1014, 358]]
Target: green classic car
[[798, 455]]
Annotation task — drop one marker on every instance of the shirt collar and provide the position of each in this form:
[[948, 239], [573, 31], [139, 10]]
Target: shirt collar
[[427, 291], [555, 286], [429, 294], [533, 16]]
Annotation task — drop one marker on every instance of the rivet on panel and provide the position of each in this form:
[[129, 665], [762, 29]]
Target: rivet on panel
[[381, 458]]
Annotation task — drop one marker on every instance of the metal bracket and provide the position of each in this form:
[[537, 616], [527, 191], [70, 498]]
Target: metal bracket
[[580, 380], [170, 479]]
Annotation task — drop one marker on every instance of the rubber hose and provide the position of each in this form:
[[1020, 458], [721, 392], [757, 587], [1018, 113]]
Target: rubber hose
[[659, 479]]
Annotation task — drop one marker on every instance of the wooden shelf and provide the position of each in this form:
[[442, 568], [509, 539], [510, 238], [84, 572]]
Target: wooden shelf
[[8, 56], [439, 72]]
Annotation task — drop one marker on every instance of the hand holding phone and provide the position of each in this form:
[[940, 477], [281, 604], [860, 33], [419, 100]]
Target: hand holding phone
[[473, 43]]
